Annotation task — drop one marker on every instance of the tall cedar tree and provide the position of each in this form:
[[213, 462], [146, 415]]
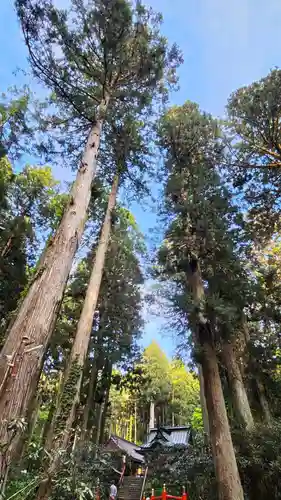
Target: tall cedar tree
[[265, 326], [254, 117], [111, 330], [119, 307], [228, 288], [93, 57], [127, 151], [190, 140], [255, 166], [155, 366]]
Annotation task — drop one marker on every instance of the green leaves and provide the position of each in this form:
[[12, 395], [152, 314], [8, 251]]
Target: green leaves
[[155, 366], [185, 392], [201, 222], [254, 116], [28, 202], [95, 51], [126, 150], [15, 128], [169, 385]]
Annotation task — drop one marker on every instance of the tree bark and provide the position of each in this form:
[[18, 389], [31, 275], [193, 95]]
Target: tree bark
[[228, 480], [203, 405], [31, 417], [151, 415], [259, 385], [29, 335], [105, 404], [99, 419], [84, 328], [135, 424], [73, 376], [31, 424], [237, 387], [263, 401], [91, 395], [48, 432], [47, 429], [194, 280], [227, 475]]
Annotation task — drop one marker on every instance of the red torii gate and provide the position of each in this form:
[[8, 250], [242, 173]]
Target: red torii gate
[[166, 496]]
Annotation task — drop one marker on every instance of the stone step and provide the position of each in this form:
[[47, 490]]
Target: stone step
[[135, 485], [137, 481], [129, 491], [129, 485], [130, 488], [125, 494], [132, 485], [130, 497], [129, 480]]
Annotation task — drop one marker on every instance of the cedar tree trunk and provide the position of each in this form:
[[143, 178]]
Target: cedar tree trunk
[[73, 377], [29, 335], [105, 404], [237, 387], [228, 480], [91, 394], [151, 415], [203, 404]]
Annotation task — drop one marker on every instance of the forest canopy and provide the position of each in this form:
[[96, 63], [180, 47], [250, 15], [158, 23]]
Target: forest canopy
[[80, 280]]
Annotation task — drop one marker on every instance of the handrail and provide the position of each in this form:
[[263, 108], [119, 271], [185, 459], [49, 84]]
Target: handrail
[[143, 483]]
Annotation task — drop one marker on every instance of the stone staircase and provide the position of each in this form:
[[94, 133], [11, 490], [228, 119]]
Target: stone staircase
[[131, 488]]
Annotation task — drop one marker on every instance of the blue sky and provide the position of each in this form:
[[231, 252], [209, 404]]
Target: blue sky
[[225, 43]]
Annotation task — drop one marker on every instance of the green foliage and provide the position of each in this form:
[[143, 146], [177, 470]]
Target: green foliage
[[15, 129], [80, 473], [121, 415], [173, 389], [74, 372], [201, 224], [254, 120], [185, 394], [77, 478], [27, 209], [126, 150], [258, 456], [99, 59], [107, 60], [197, 420], [192, 468], [264, 321], [155, 365]]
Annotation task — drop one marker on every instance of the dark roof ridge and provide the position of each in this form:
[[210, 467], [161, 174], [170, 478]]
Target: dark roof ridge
[[123, 439], [170, 427]]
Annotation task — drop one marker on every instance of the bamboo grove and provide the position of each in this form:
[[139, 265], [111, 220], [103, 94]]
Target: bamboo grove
[[76, 270]]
